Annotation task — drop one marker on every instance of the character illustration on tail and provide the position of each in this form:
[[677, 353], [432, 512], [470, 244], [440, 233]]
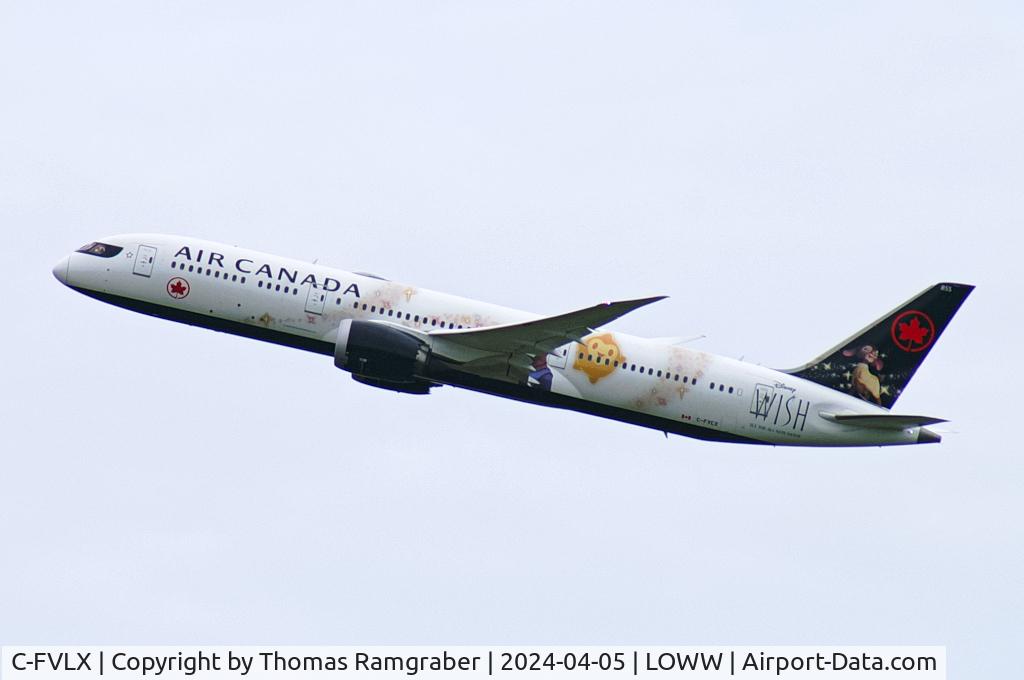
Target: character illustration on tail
[[866, 384], [877, 363]]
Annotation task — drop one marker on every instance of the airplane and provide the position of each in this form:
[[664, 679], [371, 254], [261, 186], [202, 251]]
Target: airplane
[[411, 340]]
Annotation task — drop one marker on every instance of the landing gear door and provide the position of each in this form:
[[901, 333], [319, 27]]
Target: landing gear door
[[144, 261], [315, 299]]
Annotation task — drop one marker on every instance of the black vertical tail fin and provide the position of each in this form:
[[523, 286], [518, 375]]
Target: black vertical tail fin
[[876, 363]]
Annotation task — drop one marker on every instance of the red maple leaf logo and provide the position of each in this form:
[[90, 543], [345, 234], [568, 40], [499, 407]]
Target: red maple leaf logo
[[177, 288], [913, 332]]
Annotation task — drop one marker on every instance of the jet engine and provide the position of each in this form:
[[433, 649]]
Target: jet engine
[[382, 355]]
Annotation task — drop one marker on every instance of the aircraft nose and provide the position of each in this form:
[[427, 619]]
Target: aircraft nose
[[60, 270]]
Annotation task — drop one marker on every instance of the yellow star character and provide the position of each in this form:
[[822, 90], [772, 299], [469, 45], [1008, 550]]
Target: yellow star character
[[600, 352]]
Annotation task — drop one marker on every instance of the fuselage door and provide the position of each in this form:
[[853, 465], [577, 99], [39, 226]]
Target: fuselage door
[[315, 299], [559, 356], [144, 261]]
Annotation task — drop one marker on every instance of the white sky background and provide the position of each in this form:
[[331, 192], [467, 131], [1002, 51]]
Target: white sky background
[[786, 172]]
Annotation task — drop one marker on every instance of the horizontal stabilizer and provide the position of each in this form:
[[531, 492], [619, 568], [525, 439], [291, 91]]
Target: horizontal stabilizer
[[883, 421]]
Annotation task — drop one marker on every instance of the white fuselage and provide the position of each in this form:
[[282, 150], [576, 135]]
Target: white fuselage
[[648, 382]]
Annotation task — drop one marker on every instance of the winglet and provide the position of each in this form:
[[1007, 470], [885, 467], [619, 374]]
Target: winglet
[[622, 307]]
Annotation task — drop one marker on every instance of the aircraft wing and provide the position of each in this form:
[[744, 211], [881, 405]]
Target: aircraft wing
[[539, 336]]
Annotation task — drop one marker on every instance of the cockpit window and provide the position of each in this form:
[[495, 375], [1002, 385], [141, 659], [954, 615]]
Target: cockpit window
[[100, 249]]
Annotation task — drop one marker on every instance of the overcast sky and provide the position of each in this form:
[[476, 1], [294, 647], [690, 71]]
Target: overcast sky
[[786, 172]]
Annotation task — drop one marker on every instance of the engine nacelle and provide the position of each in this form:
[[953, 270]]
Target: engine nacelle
[[381, 355]]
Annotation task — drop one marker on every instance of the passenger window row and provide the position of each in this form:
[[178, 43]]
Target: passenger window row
[[215, 273], [278, 288], [294, 290], [633, 368], [668, 375], [722, 388], [400, 316]]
